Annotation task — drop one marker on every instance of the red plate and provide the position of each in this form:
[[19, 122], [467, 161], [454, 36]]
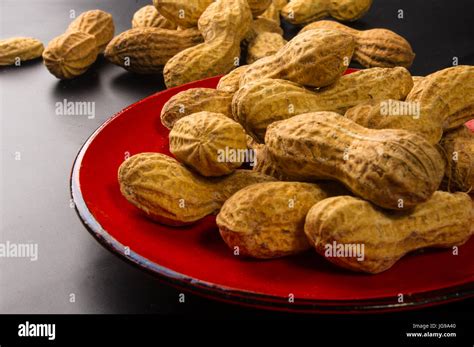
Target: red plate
[[195, 258]]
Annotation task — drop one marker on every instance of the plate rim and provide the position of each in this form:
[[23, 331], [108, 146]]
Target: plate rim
[[233, 295]]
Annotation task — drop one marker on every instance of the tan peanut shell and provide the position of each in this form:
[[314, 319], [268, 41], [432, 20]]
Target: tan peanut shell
[[417, 80], [395, 114], [201, 61], [19, 48], [223, 25], [98, 23], [148, 16], [261, 103], [315, 58], [146, 49], [374, 47], [447, 96], [264, 163], [264, 45], [273, 11], [444, 221], [266, 220], [251, 143], [458, 146], [230, 82], [70, 54], [195, 100], [279, 4], [258, 7], [306, 11], [394, 169], [203, 140], [184, 13], [259, 26], [169, 193]]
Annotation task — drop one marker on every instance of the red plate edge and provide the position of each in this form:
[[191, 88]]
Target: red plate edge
[[229, 295]]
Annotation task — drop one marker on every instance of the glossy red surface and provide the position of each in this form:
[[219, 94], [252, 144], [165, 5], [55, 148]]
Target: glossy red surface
[[198, 252]]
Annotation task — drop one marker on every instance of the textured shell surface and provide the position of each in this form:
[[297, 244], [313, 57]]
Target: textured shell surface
[[22, 48], [266, 220], [331, 25], [264, 162], [458, 146], [369, 84], [259, 26], [223, 25], [70, 54], [263, 102], [349, 10], [195, 100], [230, 82], [447, 94], [445, 220], [98, 23], [396, 114], [226, 17], [304, 11], [417, 80], [184, 13], [383, 48], [169, 193], [148, 16], [148, 49], [264, 45], [315, 58], [258, 7], [202, 139], [273, 12], [374, 47], [394, 169], [204, 60]]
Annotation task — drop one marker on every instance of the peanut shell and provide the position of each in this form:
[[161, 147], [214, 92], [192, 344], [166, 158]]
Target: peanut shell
[[70, 54], [315, 58], [266, 220], [146, 50], [306, 11], [230, 82], [169, 193], [264, 45], [261, 103], [184, 13], [446, 96], [148, 16], [458, 145], [201, 140], [395, 114], [22, 48], [394, 169], [195, 100], [258, 7], [444, 221], [98, 23], [223, 25], [374, 47]]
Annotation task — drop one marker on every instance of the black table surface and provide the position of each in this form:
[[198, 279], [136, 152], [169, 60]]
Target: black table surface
[[38, 148]]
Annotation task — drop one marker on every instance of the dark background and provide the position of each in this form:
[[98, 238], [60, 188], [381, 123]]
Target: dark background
[[34, 191]]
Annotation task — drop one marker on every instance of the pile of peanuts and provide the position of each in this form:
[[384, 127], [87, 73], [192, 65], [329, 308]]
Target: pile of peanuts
[[362, 167]]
